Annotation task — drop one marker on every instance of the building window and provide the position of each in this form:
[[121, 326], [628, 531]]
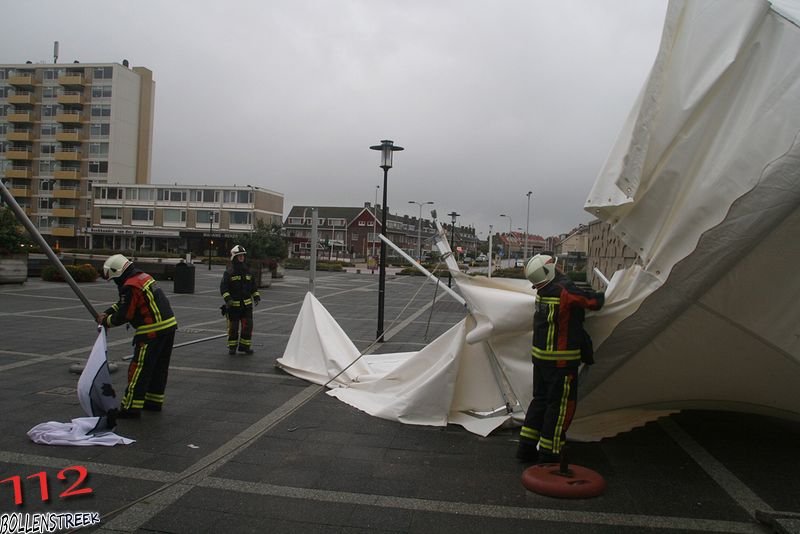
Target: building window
[[98, 149], [49, 110], [172, 195], [101, 110], [46, 167], [207, 217], [142, 216], [337, 222], [50, 74], [102, 73], [241, 217], [205, 195], [108, 193], [175, 217], [100, 129], [47, 148], [111, 215], [97, 168], [101, 91], [48, 129], [50, 91], [46, 185]]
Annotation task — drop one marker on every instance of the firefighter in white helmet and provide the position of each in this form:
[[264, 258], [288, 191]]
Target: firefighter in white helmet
[[145, 306], [559, 346], [238, 288]]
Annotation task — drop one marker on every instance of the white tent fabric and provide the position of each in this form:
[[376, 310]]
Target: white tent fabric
[[704, 183]]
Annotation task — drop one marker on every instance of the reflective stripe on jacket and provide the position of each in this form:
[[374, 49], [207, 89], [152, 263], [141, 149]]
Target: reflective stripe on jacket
[[142, 304], [558, 321]]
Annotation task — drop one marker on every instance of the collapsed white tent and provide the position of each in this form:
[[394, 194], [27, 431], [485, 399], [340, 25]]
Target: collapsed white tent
[[704, 183]]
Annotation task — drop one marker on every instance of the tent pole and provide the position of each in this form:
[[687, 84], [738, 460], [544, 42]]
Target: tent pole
[[34, 232]]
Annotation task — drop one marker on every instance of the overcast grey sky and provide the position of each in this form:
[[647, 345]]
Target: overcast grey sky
[[490, 98]]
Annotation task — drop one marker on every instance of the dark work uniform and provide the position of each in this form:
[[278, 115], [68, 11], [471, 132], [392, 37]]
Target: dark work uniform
[[145, 306], [558, 342], [238, 288]]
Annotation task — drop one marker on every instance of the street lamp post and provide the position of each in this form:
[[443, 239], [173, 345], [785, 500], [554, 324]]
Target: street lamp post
[[491, 252], [374, 219], [510, 222], [210, 236], [528, 223], [419, 227], [386, 147]]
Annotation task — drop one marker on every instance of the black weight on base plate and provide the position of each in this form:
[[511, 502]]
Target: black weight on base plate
[[576, 483]]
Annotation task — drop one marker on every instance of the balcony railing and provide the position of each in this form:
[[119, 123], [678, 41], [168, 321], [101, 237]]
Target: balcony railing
[[71, 79], [25, 80], [69, 118], [63, 231], [68, 135], [20, 116], [19, 172], [19, 136], [19, 153], [26, 99], [68, 154], [67, 174]]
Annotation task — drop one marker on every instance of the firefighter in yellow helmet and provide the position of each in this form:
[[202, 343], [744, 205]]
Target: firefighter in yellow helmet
[[145, 306], [559, 345], [238, 288]]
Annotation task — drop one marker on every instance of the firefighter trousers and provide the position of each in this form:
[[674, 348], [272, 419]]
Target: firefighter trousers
[[147, 372], [555, 393], [244, 316]]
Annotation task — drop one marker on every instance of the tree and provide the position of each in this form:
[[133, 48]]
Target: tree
[[12, 237], [265, 242]]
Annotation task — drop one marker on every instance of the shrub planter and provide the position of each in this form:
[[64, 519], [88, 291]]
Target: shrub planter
[[13, 269]]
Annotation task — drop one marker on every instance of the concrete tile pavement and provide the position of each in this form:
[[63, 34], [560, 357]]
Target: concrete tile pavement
[[243, 447]]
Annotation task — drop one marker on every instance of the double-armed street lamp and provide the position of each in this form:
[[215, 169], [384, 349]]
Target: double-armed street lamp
[[510, 222], [386, 147], [419, 227]]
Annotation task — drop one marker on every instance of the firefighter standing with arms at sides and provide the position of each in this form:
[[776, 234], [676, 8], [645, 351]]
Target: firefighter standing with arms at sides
[[145, 306], [559, 346], [238, 288]]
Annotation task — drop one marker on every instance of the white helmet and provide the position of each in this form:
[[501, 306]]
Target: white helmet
[[115, 266], [540, 270], [237, 250]]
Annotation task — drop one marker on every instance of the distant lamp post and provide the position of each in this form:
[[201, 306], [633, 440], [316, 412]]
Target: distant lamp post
[[210, 236], [419, 227], [510, 222], [387, 148], [528, 223]]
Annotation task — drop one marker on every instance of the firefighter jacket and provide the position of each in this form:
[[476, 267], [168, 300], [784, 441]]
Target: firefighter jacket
[[238, 287], [558, 334], [142, 304]]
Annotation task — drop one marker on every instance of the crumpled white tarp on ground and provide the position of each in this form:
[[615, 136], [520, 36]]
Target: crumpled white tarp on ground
[[77, 433]]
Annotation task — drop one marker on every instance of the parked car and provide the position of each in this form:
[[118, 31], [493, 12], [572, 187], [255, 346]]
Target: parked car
[[482, 258], [519, 263]]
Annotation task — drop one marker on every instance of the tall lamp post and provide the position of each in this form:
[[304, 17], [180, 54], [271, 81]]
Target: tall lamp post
[[528, 223], [510, 221], [419, 227], [210, 236], [374, 219], [386, 147]]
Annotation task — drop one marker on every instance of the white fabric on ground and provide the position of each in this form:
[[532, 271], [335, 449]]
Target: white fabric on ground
[[80, 432]]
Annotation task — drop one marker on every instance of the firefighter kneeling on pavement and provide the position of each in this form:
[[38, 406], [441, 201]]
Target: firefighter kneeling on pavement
[[559, 346], [238, 288]]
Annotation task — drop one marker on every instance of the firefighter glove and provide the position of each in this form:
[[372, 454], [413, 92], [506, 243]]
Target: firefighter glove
[[223, 310]]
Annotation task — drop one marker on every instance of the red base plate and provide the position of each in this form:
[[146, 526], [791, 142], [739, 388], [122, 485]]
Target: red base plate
[[578, 483]]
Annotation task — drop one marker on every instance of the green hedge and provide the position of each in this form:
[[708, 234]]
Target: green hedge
[[300, 263], [79, 273]]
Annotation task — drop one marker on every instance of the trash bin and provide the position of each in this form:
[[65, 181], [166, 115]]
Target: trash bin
[[184, 278]]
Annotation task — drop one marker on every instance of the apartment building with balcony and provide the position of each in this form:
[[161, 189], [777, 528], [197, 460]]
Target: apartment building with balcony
[[177, 218], [64, 127]]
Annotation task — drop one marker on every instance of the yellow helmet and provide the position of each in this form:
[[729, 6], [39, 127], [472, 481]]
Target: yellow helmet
[[540, 270], [115, 266]]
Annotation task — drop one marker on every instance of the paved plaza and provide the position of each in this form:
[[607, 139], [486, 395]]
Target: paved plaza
[[242, 446]]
